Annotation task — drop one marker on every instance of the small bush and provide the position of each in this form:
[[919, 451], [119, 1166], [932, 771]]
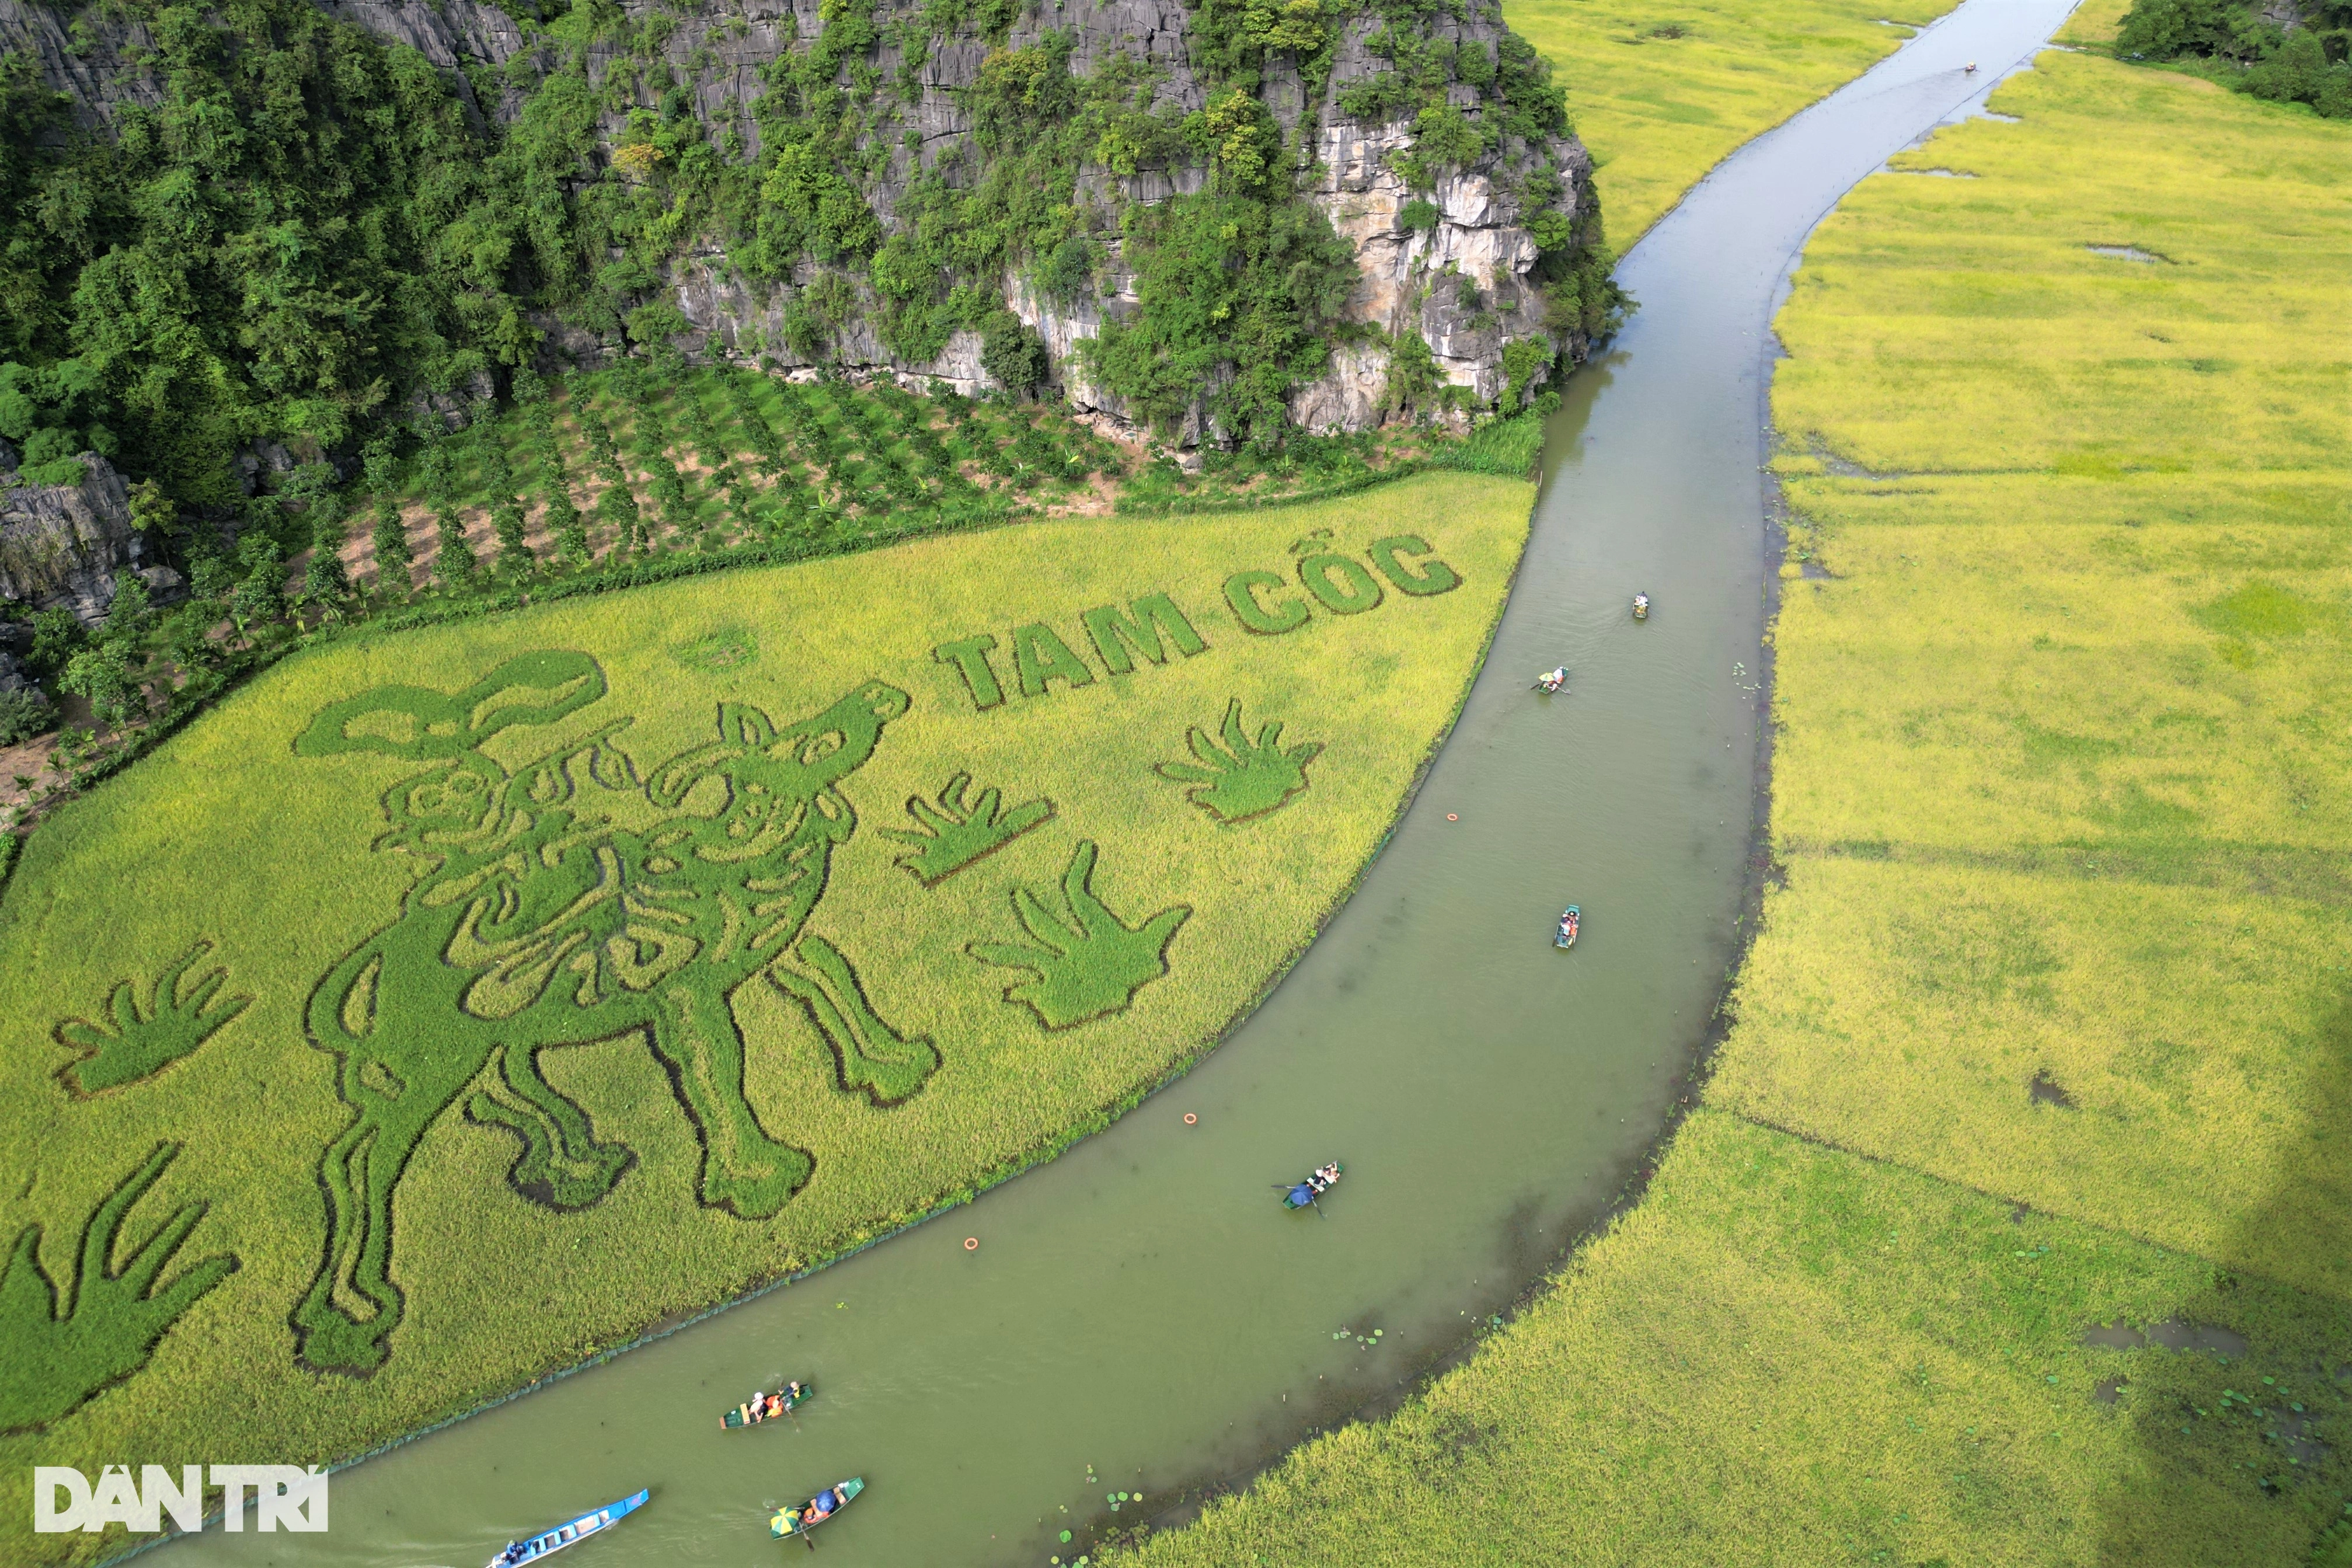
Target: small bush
[[23, 715]]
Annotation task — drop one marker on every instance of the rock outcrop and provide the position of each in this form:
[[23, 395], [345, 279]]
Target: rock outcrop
[[70, 545]]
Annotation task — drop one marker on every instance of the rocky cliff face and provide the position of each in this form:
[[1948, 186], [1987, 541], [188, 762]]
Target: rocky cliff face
[[1459, 277], [68, 545], [1410, 280]]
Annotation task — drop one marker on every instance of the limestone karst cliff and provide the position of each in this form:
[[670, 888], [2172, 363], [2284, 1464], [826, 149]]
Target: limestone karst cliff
[[1425, 139]]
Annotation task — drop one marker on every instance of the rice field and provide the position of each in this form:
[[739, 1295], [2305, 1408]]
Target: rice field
[[1661, 95], [450, 1004], [2013, 1227]]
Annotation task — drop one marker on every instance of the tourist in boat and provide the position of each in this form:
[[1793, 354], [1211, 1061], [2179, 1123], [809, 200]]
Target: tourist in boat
[[822, 1505], [513, 1553], [758, 1406]]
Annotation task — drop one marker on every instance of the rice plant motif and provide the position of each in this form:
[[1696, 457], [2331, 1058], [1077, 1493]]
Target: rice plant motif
[[957, 830], [540, 921], [145, 1035], [1246, 777], [64, 1345], [1086, 962]]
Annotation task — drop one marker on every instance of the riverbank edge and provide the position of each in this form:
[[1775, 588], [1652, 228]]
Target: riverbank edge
[[2332, 1547], [1760, 873], [1098, 1120]]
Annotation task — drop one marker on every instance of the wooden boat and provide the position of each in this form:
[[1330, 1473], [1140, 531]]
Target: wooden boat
[[1566, 935], [1641, 606], [571, 1532], [1302, 1193], [745, 1415], [787, 1522]]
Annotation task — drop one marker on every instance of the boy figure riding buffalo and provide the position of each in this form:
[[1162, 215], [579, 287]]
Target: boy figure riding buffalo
[[540, 921]]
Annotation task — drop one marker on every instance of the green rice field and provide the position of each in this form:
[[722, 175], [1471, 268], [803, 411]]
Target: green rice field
[[451, 1005], [2012, 1226]]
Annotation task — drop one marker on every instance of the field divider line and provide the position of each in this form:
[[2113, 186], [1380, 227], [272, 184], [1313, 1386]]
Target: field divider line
[[2308, 874], [1832, 1145]]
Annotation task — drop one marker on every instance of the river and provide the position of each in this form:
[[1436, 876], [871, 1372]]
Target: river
[[1141, 1316]]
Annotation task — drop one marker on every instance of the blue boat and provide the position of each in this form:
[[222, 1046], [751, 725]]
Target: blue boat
[[571, 1532]]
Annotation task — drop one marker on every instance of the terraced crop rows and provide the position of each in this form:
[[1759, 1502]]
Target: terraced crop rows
[[622, 463]]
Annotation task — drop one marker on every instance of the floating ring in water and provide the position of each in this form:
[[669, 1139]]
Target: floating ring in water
[[1190, 1119], [1451, 818], [971, 1244]]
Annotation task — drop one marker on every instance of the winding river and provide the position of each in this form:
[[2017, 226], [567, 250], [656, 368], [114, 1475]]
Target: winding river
[[1139, 1316]]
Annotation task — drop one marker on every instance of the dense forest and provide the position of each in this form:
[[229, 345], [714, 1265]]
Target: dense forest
[[296, 227], [2274, 51]]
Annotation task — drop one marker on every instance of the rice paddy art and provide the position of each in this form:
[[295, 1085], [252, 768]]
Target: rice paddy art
[[958, 828], [70, 1337], [143, 1037], [1247, 775], [1086, 962], [542, 921], [498, 990]]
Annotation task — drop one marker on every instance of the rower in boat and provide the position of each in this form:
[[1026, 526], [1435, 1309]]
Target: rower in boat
[[1303, 1194], [765, 1406], [1641, 606], [790, 1522], [1551, 681], [570, 1533]]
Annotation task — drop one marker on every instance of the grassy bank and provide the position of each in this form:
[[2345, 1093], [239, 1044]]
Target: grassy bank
[[1660, 95], [2012, 1227], [579, 968]]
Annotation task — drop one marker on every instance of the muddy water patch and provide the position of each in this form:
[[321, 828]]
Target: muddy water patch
[[2171, 1334], [2047, 1090]]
